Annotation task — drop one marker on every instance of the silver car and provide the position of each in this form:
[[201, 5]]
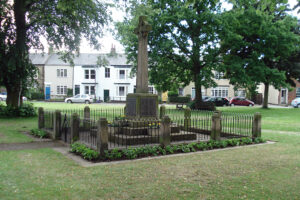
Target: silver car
[[80, 98], [296, 102]]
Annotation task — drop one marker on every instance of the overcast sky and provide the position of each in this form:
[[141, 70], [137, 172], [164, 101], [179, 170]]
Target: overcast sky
[[107, 41]]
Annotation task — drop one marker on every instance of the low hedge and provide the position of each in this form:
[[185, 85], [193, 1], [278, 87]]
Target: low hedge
[[37, 96], [26, 110], [202, 106], [145, 151], [176, 99]]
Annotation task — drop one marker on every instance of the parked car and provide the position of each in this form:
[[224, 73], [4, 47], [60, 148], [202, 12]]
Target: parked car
[[218, 101], [80, 98], [3, 97], [240, 101], [296, 102]]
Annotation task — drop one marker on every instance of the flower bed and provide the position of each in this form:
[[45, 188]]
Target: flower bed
[[146, 151]]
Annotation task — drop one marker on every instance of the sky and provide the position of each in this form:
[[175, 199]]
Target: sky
[[108, 40]]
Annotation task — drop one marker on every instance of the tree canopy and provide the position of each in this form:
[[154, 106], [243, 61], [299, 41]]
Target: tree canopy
[[258, 40], [62, 22], [182, 44]]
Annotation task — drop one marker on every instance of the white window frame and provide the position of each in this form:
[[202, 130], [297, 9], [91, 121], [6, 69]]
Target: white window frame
[[221, 91], [107, 72], [150, 90], [62, 73], [219, 75], [122, 77], [118, 90], [180, 91], [61, 90]]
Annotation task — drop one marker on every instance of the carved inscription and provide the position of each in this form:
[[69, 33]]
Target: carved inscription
[[131, 107], [148, 107]]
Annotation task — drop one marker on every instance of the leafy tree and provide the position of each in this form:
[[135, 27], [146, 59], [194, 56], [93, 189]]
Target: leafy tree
[[182, 43], [61, 22], [258, 39]]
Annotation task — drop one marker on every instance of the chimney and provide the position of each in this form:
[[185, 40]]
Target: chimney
[[113, 49]]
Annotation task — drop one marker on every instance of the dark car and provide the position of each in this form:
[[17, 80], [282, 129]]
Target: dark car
[[240, 101], [218, 101]]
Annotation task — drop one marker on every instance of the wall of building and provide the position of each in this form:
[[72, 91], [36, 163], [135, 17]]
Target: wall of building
[[53, 81], [273, 94], [292, 94]]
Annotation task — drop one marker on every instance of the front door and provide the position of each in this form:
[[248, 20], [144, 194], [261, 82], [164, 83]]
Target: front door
[[106, 95], [283, 96], [47, 92]]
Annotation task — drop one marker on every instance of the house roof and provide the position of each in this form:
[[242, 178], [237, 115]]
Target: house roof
[[38, 58], [82, 59]]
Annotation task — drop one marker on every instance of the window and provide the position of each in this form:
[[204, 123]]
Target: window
[[93, 74], [180, 91], [219, 75], [193, 93], [122, 74], [61, 90], [86, 90], [122, 91], [77, 89], [61, 72], [219, 92], [89, 74], [298, 92], [92, 90], [240, 93], [107, 72], [150, 90], [86, 74]]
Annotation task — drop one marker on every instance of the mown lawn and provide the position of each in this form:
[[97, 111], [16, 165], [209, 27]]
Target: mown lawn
[[270, 171], [259, 172]]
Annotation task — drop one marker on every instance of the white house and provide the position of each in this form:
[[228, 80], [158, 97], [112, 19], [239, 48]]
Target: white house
[[111, 82]]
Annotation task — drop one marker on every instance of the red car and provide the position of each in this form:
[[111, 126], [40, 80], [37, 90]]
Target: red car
[[240, 101]]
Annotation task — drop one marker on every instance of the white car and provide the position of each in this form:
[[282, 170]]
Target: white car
[[3, 97], [80, 98], [296, 102]]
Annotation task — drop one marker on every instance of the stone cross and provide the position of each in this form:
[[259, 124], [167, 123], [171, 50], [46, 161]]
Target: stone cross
[[142, 69]]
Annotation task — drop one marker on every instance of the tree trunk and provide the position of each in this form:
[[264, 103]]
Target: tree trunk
[[13, 85], [198, 91], [266, 95]]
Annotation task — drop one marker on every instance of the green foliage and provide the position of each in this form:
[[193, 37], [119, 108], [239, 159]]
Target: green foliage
[[182, 44], [173, 93], [174, 99], [132, 153], [62, 23], [37, 96], [84, 151], [26, 110], [202, 106], [70, 92], [38, 133]]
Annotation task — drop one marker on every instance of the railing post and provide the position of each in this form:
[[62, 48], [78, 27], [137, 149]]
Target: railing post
[[187, 118], [57, 125], [74, 127], [216, 126], [165, 131], [41, 122], [102, 136], [256, 126], [86, 118], [162, 112]]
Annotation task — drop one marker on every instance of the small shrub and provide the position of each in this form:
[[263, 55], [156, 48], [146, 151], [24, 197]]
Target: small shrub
[[130, 153], [26, 110], [259, 140], [39, 133], [85, 152], [245, 141], [37, 96]]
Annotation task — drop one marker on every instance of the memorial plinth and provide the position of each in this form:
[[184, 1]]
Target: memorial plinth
[[141, 105]]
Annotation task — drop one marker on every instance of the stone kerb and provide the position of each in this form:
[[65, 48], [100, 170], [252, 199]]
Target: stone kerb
[[102, 136], [41, 118], [256, 127], [216, 126], [165, 131]]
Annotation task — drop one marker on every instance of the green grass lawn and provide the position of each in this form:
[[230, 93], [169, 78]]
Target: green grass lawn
[[270, 171], [258, 172]]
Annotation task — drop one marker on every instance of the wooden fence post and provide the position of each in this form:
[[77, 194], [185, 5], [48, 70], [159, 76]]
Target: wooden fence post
[[102, 136], [41, 122], [74, 127], [165, 131], [162, 112], [86, 118], [216, 126], [256, 126], [187, 118], [57, 125]]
